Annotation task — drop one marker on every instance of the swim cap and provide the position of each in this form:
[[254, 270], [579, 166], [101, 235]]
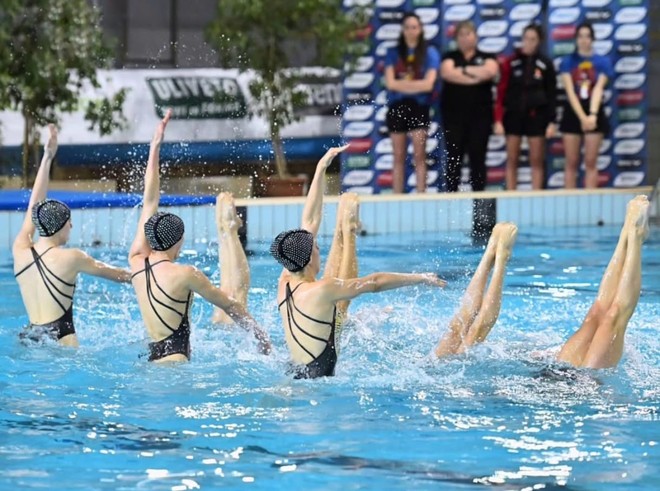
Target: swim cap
[[49, 216], [293, 249], [163, 231]]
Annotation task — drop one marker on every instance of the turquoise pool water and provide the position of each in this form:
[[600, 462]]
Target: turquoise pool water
[[101, 417]]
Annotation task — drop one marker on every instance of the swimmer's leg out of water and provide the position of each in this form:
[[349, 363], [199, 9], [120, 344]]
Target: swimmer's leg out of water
[[480, 307], [342, 259], [599, 341], [234, 268]]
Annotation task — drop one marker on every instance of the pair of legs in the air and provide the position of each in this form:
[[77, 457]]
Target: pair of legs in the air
[[235, 271], [599, 341]]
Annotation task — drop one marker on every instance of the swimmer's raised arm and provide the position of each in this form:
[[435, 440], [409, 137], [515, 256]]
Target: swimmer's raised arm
[[39, 190], [335, 289], [84, 263], [151, 188], [312, 213], [200, 284]]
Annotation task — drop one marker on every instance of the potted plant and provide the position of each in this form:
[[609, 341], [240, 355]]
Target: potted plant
[[272, 39]]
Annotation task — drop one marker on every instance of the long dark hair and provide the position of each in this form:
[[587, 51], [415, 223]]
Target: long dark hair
[[420, 49], [586, 25], [539, 32]]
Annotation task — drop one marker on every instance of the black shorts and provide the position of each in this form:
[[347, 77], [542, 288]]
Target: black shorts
[[570, 123], [407, 115], [532, 122]]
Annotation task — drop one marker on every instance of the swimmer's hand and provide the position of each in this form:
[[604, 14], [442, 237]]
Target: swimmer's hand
[[432, 279], [329, 156], [50, 149], [160, 129]]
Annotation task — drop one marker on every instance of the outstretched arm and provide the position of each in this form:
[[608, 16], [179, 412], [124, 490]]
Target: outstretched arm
[[39, 190], [84, 263], [199, 283], [336, 289], [311, 218], [151, 189]]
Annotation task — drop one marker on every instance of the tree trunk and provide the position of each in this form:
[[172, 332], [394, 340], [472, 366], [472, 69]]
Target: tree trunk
[[280, 156], [26, 149]]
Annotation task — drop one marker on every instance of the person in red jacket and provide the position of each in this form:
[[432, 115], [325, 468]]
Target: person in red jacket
[[526, 105]]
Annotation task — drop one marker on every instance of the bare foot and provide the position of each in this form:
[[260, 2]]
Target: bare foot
[[507, 237], [637, 216], [225, 213]]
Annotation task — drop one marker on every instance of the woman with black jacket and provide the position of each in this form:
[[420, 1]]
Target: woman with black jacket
[[526, 99]]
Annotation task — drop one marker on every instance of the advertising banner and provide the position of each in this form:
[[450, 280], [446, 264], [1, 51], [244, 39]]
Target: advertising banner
[[621, 29], [367, 164], [209, 106]]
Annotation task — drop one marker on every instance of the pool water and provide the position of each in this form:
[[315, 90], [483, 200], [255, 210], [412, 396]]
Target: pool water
[[101, 417]]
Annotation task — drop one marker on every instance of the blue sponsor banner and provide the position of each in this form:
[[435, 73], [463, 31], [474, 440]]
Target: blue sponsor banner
[[499, 24], [621, 30], [367, 164]]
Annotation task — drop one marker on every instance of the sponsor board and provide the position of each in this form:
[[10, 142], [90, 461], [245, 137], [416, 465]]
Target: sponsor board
[[630, 48], [630, 81], [382, 48], [563, 33], [359, 97], [431, 31], [359, 81], [431, 178], [492, 13], [630, 32], [562, 3], [457, 13], [492, 28], [629, 130], [630, 64], [360, 112], [384, 180], [495, 159], [361, 145], [630, 98], [360, 190], [630, 15], [384, 162], [602, 30], [496, 142], [556, 180], [598, 15], [558, 163], [357, 162], [563, 49], [629, 147], [629, 179], [595, 3], [627, 163], [428, 15], [605, 146], [524, 174], [603, 47], [358, 129], [358, 177], [493, 45], [381, 114], [388, 32], [495, 175], [525, 11], [568, 15], [431, 145], [630, 114], [390, 4], [198, 97], [517, 28], [384, 146]]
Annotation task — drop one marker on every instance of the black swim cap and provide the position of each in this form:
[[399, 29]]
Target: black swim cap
[[293, 249], [163, 231], [49, 216]]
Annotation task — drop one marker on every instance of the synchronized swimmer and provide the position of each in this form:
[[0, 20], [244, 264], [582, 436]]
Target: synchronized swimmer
[[312, 310]]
